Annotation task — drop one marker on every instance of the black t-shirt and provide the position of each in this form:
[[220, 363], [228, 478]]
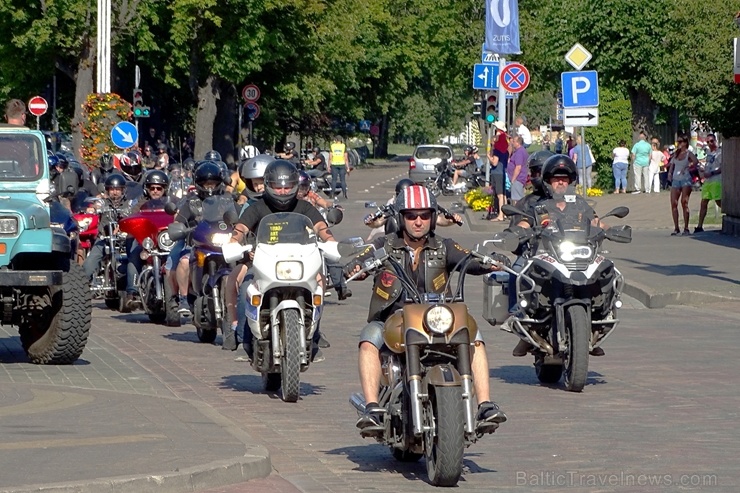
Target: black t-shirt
[[321, 166], [253, 214]]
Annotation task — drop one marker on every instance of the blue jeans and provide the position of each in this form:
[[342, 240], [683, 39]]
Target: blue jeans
[[620, 176], [341, 172]]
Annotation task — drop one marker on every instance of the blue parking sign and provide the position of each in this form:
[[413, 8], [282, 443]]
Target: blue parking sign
[[580, 89]]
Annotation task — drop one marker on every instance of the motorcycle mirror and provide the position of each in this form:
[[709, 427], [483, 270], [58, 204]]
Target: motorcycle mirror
[[230, 218], [334, 216], [177, 231], [504, 240], [371, 205], [170, 208], [619, 212], [94, 201], [234, 251], [619, 234]]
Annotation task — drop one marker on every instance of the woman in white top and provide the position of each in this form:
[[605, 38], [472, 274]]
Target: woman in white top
[[620, 164], [679, 175], [657, 159]]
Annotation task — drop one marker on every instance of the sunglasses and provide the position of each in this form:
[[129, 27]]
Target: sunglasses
[[411, 216], [155, 189]]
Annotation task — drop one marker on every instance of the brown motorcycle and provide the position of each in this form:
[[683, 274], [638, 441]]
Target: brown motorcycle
[[426, 384]]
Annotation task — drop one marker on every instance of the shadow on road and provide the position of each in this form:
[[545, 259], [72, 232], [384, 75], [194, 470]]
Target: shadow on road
[[253, 384], [525, 375]]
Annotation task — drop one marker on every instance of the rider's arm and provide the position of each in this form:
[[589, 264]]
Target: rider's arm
[[322, 229], [455, 253], [318, 200]]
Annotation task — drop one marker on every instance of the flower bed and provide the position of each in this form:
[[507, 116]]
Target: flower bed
[[479, 199]]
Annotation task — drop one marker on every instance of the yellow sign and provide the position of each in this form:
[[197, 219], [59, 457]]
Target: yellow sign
[[578, 56]]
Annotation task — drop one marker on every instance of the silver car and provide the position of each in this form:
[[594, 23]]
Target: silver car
[[426, 157]]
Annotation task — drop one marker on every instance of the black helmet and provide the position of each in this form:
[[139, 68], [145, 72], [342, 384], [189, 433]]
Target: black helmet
[[558, 165], [403, 184], [289, 146], [535, 163], [106, 162], [62, 161], [189, 164], [208, 171], [115, 180], [468, 149], [212, 156], [284, 175], [304, 182], [156, 177], [316, 151], [415, 197]]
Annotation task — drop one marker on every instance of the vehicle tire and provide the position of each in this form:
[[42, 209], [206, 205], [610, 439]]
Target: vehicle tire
[[157, 317], [55, 323], [205, 333], [548, 373], [444, 451], [290, 363], [271, 382], [406, 456], [171, 315], [113, 303], [576, 358]]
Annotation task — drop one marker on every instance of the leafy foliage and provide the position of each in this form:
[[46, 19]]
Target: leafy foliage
[[100, 113], [614, 125]]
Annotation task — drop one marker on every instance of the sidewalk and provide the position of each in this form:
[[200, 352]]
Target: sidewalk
[[660, 269]]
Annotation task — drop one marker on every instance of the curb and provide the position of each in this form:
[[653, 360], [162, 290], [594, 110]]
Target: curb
[[255, 463]]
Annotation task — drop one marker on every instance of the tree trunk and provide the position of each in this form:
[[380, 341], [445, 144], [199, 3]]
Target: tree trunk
[[383, 137], [83, 87], [224, 128], [731, 186], [208, 95], [643, 113]]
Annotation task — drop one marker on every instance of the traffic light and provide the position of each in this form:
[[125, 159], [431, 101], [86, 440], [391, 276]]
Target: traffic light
[[559, 97], [491, 108], [140, 111], [478, 108]]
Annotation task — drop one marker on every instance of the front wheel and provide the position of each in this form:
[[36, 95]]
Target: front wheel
[[576, 357], [431, 185], [444, 451], [548, 373], [290, 363]]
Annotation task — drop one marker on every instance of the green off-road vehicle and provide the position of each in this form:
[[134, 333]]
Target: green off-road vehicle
[[43, 291]]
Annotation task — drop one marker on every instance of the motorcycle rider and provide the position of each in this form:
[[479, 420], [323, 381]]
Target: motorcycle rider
[[103, 171], [317, 165], [209, 180], [471, 157], [418, 249], [133, 171], [65, 180], [252, 172], [281, 195], [290, 154], [115, 188], [559, 174]]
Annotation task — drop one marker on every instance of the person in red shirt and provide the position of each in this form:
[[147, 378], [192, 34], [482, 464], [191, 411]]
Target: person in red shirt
[[499, 158]]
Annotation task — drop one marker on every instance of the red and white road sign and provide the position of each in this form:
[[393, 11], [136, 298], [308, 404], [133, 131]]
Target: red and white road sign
[[251, 93], [515, 77], [736, 69], [38, 106], [253, 110]]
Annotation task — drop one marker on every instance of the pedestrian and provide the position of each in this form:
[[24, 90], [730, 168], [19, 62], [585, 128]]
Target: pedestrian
[[559, 143], [15, 112], [499, 158], [517, 169], [584, 161], [657, 160], [620, 164], [523, 132], [712, 187], [641, 163], [339, 166], [679, 176], [569, 144]]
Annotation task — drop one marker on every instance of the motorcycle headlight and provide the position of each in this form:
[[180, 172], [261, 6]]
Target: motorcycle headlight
[[147, 244], [289, 270], [439, 319], [569, 251], [164, 241], [8, 226], [220, 239]]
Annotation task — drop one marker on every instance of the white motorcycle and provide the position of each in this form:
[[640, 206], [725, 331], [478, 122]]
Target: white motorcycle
[[285, 297]]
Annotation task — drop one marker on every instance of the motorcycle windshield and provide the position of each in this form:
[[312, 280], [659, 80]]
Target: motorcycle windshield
[[216, 206], [567, 228], [213, 231], [286, 227]]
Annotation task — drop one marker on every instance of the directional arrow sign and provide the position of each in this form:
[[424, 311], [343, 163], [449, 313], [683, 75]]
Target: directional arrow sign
[[485, 76], [124, 135], [580, 117]]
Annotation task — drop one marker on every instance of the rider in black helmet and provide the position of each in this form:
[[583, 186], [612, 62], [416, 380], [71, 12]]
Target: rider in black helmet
[[209, 179], [281, 195]]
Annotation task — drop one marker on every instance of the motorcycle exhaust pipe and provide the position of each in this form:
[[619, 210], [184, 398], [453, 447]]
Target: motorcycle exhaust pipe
[[358, 402]]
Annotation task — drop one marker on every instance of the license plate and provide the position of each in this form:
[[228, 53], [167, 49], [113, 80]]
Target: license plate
[[429, 167]]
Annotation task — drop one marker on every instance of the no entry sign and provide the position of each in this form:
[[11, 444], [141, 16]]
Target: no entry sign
[[38, 106]]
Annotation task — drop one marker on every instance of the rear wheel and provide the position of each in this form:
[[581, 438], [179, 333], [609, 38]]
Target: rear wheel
[[54, 325], [444, 451], [290, 363], [576, 357]]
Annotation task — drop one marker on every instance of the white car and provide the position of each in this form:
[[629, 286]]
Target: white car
[[422, 164]]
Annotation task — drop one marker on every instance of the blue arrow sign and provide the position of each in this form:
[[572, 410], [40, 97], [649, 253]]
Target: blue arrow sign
[[580, 89], [485, 76], [124, 135]]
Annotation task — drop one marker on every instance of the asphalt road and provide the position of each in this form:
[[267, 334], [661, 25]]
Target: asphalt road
[[659, 411]]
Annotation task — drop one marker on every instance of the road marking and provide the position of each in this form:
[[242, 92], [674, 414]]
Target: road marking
[[80, 442], [46, 400]]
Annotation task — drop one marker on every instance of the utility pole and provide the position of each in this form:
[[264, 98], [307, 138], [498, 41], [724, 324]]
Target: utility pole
[[103, 45]]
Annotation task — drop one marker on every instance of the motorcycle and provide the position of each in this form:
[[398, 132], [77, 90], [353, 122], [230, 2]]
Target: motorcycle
[[110, 280], [568, 293], [441, 184], [284, 297], [88, 226], [426, 384], [149, 228], [208, 270]]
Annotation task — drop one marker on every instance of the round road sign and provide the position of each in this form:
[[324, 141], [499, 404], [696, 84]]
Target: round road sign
[[515, 77], [251, 93], [253, 110], [38, 106]]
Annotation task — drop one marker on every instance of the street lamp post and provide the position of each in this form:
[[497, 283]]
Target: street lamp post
[[103, 45]]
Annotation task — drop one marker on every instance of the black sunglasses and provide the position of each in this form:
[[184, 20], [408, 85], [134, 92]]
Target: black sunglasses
[[155, 188], [411, 216]]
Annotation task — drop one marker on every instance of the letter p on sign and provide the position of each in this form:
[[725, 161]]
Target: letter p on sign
[[580, 89]]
